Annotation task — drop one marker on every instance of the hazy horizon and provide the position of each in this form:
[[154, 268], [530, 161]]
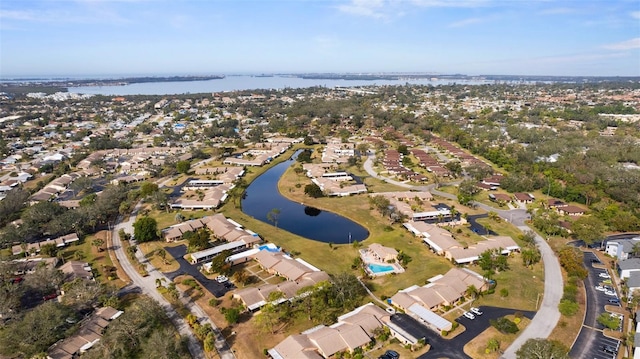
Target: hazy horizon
[[102, 38]]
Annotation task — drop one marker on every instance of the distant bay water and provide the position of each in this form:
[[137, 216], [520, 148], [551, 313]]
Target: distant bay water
[[237, 83]]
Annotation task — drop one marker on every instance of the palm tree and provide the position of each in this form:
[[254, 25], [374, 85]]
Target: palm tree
[[472, 292]]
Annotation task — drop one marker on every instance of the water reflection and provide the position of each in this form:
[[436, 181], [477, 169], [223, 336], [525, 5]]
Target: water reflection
[[262, 196]]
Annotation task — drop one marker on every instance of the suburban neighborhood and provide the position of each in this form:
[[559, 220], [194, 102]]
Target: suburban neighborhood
[[412, 221]]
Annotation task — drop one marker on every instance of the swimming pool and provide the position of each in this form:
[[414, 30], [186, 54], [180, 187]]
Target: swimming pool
[[377, 268], [269, 247]]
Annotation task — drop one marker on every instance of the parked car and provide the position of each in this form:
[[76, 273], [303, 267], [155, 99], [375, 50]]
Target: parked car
[[595, 260], [609, 349], [221, 279], [469, 315], [614, 301], [604, 275], [600, 288], [384, 356], [392, 354], [475, 311], [611, 293]]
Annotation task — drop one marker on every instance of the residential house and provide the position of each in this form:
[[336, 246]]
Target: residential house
[[628, 266], [75, 269], [523, 198], [353, 330], [87, 336], [622, 248], [254, 298], [571, 210], [442, 291], [443, 243]]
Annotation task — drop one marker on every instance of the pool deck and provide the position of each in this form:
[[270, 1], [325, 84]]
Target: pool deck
[[368, 258]]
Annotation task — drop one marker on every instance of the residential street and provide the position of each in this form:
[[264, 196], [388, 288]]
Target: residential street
[[548, 314], [148, 287]]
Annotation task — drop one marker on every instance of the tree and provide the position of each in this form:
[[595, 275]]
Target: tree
[[466, 191], [241, 276], [48, 250], [44, 280], [219, 264], [162, 253], [166, 344], [273, 216], [504, 325], [198, 240], [145, 229], [147, 189], [232, 315], [542, 349], [588, 228], [472, 291], [609, 321], [454, 167], [36, 331], [183, 166], [160, 200], [80, 293], [304, 156], [98, 243], [346, 291], [313, 190], [571, 260], [530, 256]]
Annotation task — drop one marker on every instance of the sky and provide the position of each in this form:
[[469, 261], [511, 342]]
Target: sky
[[199, 37]]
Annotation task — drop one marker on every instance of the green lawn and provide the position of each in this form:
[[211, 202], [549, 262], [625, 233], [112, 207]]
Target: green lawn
[[523, 284], [338, 258], [84, 251], [166, 219]]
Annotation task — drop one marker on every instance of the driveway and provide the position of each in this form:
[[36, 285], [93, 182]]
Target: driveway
[[477, 227], [453, 348], [215, 288]]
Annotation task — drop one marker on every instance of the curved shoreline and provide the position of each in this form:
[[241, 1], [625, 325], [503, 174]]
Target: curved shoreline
[[264, 194], [320, 207]]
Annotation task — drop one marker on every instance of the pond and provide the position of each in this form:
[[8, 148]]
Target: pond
[[262, 197]]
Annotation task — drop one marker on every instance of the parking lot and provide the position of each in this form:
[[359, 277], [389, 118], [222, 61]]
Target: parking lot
[[213, 286], [591, 342]]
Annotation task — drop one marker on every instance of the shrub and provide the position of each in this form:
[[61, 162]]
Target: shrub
[[518, 314], [504, 325], [568, 308]]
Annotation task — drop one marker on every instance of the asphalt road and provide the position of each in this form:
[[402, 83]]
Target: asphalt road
[[591, 339], [548, 315], [453, 348], [215, 288], [148, 287]]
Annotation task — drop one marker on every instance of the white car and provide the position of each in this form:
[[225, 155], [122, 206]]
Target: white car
[[600, 288], [469, 315], [475, 311], [611, 293], [221, 279], [604, 275]]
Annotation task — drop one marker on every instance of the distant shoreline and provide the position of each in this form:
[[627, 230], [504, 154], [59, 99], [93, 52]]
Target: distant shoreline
[[121, 81]]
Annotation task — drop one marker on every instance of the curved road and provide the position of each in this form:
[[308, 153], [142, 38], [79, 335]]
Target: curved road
[[548, 315], [148, 287]]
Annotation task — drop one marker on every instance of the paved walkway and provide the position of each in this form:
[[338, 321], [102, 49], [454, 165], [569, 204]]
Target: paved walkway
[[548, 315]]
